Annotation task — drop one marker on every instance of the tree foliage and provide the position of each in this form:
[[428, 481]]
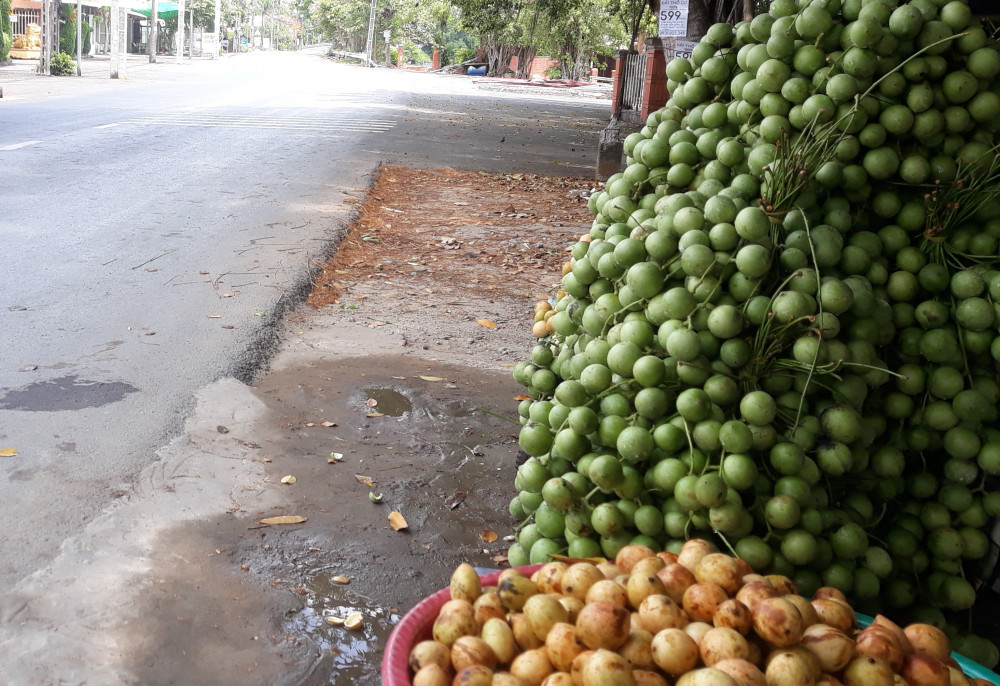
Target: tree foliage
[[6, 32], [570, 30]]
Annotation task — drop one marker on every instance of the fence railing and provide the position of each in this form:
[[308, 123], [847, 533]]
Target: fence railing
[[22, 17], [632, 81]]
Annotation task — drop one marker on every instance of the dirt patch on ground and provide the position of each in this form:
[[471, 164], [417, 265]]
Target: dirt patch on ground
[[499, 234]]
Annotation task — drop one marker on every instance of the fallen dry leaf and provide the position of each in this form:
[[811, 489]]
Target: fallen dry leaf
[[328, 424], [397, 521], [8, 452], [374, 414], [366, 480], [488, 536], [288, 479], [487, 323], [284, 519], [215, 316], [499, 559], [432, 378], [340, 580], [519, 398], [335, 458]]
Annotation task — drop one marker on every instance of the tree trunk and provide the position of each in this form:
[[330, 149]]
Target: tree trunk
[[498, 58], [525, 56], [699, 19]]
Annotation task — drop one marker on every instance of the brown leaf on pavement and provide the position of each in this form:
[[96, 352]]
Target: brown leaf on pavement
[[488, 536], [284, 519], [397, 521]]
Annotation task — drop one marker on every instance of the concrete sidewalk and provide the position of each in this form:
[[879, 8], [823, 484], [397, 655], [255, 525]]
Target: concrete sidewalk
[[94, 67]]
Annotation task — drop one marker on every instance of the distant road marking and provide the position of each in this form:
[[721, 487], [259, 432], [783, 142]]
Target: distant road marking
[[249, 121], [15, 146], [108, 126]]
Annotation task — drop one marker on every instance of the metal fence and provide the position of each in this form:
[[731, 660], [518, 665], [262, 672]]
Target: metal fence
[[22, 17], [632, 81]]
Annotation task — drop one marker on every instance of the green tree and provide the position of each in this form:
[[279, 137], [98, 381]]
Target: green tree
[[67, 31], [6, 33]]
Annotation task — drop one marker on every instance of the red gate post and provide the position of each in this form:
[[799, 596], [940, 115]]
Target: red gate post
[[617, 83], [436, 59], [654, 87], [399, 57]]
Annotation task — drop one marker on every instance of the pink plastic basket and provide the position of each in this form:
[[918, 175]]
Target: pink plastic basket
[[416, 626]]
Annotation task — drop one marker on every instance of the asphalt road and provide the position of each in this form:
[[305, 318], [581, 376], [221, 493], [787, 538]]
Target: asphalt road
[[154, 229]]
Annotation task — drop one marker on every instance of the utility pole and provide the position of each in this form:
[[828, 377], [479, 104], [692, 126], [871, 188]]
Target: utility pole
[[44, 62], [79, 37], [180, 31], [218, 33], [371, 35], [116, 29], [153, 21]]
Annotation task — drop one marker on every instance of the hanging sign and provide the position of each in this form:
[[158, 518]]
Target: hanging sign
[[683, 48], [673, 18]]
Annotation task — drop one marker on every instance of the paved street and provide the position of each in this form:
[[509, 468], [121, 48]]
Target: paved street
[[154, 231]]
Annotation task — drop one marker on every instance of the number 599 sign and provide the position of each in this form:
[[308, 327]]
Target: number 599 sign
[[673, 18]]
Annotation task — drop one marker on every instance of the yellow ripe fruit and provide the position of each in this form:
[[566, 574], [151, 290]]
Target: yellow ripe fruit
[[540, 329]]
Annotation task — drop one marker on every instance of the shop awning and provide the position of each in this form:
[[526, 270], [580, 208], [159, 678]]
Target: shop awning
[[164, 10]]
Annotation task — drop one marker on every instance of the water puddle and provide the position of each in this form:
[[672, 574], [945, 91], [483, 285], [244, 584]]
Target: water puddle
[[388, 401], [356, 653], [65, 393]]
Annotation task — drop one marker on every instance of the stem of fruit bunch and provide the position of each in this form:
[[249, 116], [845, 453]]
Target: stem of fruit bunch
[[961, 346], [873, 368], [796, 164], [914, 55], [586, 498], [687, 432], [524, 522], [722, 538], [763, 343], [498, 416], [819, 333], [878, 520], [957, 203]]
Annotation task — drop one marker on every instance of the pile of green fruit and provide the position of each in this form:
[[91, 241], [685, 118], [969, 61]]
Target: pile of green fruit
[[782, 329]]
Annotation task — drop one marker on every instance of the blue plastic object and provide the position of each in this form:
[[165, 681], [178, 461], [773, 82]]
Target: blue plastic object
[[972, 669], [477, 71]]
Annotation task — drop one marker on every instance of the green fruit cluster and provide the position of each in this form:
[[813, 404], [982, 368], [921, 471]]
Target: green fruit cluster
[[783, 329]]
